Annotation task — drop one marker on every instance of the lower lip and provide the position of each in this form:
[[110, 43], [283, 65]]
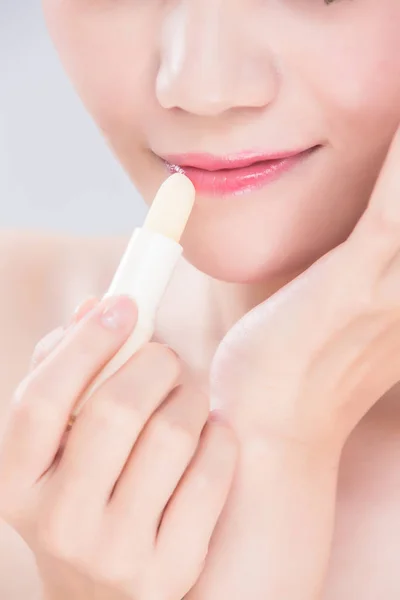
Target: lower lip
[[226, 182]]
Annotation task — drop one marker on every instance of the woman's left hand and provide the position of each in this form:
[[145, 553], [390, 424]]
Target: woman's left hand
[[294, 377]]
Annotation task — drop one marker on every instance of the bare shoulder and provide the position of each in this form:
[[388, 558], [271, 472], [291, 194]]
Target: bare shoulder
[[26, 263], [42, 278]]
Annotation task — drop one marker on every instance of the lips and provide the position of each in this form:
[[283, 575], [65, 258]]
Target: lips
[[234, 174]]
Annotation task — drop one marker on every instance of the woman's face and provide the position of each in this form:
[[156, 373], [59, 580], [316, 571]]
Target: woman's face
[[170, 79]]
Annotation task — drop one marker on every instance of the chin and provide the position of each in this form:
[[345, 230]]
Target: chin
[[244, 257], [260, 244], [231, 265], [266, 243]]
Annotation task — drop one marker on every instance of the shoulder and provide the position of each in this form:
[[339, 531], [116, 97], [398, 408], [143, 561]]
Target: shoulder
[[28, 267], [14, 245], [44, 275], [26, 264], [26, 260], [42, 278]]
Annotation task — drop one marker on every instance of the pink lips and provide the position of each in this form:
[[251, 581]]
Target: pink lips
[[236, 174]]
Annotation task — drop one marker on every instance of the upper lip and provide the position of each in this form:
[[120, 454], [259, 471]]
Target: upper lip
[[209, 162]]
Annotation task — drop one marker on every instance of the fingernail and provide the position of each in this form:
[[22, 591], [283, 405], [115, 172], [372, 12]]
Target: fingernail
[[117, 312], [47, 344], [82, 309], [52, 338]]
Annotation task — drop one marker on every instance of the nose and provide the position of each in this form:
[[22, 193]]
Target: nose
[[210, 63]]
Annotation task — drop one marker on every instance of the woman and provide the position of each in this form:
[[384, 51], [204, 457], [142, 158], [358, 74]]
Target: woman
[[282, 114]]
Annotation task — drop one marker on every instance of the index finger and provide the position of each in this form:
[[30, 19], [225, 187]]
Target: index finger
[[45, 399], [51, 340]]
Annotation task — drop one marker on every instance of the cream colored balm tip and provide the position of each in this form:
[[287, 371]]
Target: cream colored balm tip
[[171, 208]]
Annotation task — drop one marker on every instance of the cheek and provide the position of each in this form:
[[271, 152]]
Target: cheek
[[356, 75], [102, 50]]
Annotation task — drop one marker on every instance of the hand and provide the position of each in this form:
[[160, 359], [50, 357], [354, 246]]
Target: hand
[[294, 377], [122, 506]]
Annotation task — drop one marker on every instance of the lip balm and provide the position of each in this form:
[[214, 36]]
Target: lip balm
[[147, 267]]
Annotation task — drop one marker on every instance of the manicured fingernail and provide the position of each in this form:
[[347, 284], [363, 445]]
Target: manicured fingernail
[[117, 312], [47, 344], [51, 338], [82, 309]]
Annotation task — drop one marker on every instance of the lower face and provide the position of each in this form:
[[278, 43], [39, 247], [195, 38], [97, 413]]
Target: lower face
[[281, 113]]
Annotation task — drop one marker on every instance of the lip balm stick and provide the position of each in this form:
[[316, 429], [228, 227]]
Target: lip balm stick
[[147, 267]]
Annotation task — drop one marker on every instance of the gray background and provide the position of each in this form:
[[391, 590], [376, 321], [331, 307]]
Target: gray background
[[56, 172]]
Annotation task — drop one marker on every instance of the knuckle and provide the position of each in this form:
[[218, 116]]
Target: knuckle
[[103, 414], [115, 576], [171, 434], [55, 544], [56, 539], [33, 407], [113, 570], [50, 532]]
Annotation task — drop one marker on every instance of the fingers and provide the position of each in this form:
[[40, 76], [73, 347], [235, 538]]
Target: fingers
[[385, 201], [102, 438], [50, 341], [191, 516], [161, 456], [45, 399], [83, 309], [376, 239], [46, 345]]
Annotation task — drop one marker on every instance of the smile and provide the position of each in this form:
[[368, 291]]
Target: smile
[[234, 174]]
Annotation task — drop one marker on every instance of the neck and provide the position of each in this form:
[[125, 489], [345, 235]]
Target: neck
[[231, 301], [199, 311]]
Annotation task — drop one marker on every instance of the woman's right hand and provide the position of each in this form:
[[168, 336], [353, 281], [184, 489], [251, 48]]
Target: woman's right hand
[[123, 506]]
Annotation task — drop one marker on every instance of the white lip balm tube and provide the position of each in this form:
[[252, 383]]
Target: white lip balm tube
[[147, 266]]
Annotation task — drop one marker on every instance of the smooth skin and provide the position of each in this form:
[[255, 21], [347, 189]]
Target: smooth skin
[[108, 514], [221, 77], [294, 393]]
